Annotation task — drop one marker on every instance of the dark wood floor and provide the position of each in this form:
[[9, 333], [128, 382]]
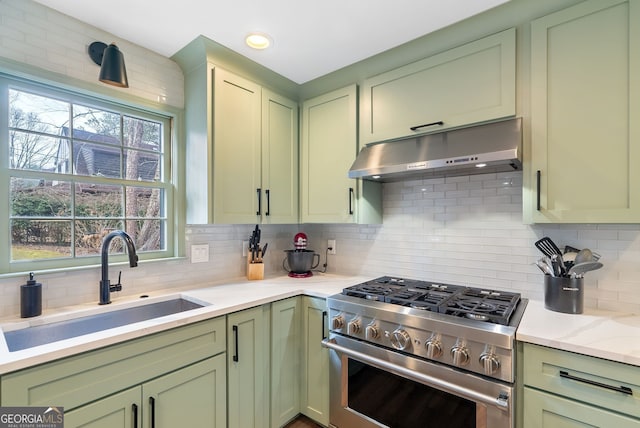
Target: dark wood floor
[[302, 422]]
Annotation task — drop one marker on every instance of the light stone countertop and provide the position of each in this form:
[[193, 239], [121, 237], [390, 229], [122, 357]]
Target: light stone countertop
[[220, 299], [610, 335]]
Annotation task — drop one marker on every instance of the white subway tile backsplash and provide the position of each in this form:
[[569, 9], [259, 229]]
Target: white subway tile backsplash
[[474, 235]]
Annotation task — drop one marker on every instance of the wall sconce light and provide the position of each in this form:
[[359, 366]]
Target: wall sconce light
[[111, 62]]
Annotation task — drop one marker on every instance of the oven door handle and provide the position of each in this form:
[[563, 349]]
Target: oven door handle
[[502, 401]]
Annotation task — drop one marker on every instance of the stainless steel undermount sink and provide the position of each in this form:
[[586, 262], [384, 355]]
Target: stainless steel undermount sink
[[47, 333]]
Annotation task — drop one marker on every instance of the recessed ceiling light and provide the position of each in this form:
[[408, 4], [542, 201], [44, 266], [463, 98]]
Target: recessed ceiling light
[[258, 40]]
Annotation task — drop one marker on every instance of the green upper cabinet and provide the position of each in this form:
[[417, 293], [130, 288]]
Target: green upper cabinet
[[472, 83], [585, 111], [255, 177], [236, 155], [328, 148], [279, 159], [241, 152]]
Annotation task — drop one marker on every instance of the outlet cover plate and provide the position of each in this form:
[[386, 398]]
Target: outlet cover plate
[[331, 243], [200, 253]]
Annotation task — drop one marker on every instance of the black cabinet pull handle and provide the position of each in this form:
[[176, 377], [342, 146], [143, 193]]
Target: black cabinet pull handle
[[538, 173], [134, 410], [268, 193], [622, 389], [235, 338], [152, 410], [324, 317], [415, 128], [350, 200], [259, 191]]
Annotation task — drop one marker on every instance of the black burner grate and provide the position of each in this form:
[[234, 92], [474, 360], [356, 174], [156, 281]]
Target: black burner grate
[[473, 303]]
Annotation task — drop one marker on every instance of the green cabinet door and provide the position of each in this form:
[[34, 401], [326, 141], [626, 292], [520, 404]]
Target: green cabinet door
[[543, 410], [472, 83], [193, 397], [329, 144], [585, 104], [315, 360], [237, 154], [121, 410], [248, 368], [286, 338], [279, 159]]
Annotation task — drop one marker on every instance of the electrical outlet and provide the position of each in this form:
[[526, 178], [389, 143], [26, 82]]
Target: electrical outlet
[[245, 248], [331, 243], [200, 253]]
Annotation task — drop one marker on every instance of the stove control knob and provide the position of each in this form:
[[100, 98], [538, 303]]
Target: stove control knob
[[434, 348], [337, 322], [354, 326], [372, 332], [460, 355], [490, 362], [400, 339]]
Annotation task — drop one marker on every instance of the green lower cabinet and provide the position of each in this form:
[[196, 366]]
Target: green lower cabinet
[[286, 336], [119, 410], [566, 390], [248, 368], [543, 410], [315, 361], [194, 396]]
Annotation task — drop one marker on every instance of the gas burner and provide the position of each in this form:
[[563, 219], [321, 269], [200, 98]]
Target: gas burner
[[482, 305], [370, 290], [455, 300]]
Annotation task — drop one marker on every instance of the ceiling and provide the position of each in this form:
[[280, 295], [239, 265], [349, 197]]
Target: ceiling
[[310, 38]]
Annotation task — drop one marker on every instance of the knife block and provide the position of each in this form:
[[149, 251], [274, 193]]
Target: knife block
[[255, 270]]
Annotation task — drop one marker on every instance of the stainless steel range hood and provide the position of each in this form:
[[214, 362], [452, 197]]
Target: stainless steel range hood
[[492, 147]]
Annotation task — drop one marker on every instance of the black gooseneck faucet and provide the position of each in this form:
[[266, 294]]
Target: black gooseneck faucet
[[105, 285]]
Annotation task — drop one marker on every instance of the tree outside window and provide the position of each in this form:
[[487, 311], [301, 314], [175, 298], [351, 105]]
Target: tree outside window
[[78, 171]]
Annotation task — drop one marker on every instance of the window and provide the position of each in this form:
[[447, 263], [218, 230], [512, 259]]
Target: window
[[78, 168]]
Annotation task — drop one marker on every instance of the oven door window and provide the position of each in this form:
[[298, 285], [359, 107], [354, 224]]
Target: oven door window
[[397, 402]]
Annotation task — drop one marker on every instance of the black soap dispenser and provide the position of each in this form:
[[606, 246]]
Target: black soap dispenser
[[30, 298]]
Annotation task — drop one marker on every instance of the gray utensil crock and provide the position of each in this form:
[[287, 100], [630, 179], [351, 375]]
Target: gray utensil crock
[[562, 294]]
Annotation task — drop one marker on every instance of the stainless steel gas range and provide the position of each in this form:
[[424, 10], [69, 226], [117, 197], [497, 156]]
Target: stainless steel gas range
[[408, 353]]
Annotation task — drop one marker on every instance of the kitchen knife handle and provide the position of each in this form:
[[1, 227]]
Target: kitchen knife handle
[[622, 389], [134, 411], [259, 192], [152, 411], [268, 194], [324, 321], [350, 200], [538, 173], [235, 338], [415, 128]]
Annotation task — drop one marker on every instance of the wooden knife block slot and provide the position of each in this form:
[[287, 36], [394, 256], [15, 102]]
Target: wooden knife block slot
[[255, 270]]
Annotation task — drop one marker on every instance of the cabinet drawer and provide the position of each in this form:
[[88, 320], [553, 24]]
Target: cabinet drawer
[[73, 381], [583, 378], [544, 410]]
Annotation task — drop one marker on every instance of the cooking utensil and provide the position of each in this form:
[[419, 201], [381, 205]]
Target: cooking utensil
[[570, 249], [584, 255], [264, 249], [544, 267], [579, 269], [558, 265], [547, 247]]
